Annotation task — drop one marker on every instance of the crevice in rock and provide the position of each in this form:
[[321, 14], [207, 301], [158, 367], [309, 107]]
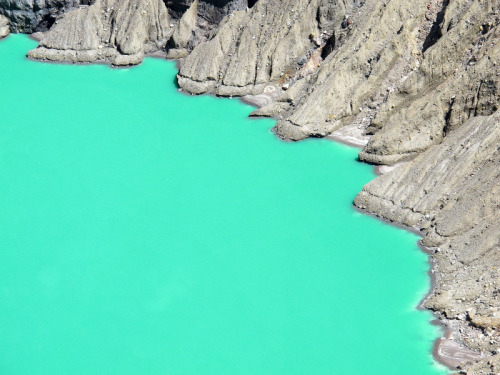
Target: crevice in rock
[[435, 34], [329, 47], [478, 98], [46, 22], [176, 8], [447, 117]]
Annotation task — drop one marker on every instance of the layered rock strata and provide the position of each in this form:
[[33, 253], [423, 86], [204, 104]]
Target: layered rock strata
[[119, 31], [452, 193], [257, 46]]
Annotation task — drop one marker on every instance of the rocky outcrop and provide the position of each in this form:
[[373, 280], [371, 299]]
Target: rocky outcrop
[[381, 66], [28, 16], [119, 31], [257, 46], [198, 20], [420, 80], [452, 193], [4, 27], [457, 79], [209, 11], [183, 33], [123, 31]]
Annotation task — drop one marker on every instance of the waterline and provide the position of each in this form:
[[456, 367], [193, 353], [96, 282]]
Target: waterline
[[147, 232]]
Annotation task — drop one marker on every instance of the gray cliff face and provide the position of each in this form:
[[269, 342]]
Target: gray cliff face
[[407, 73], [197, 22], [123, 31], [257, 46], [457, 79], [211, 11], [119, 31], [28, 16], [452, 192]]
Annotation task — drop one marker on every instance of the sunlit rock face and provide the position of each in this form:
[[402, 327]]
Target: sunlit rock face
[[121, 32]]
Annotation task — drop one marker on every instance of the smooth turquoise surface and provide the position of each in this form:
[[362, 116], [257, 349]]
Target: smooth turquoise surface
[[143, 231]]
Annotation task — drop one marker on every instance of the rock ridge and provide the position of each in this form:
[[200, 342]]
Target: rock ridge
[[122, 32]]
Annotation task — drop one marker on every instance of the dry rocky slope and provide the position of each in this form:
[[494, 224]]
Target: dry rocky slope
[[416, 81], [422, 80]]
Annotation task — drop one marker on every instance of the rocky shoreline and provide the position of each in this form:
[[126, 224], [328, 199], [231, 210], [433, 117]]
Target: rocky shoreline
[[415, 84]]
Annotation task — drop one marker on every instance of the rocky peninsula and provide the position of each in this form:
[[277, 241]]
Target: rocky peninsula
[[416, 83]]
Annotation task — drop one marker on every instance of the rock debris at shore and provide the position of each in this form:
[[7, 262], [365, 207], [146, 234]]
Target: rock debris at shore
[[416, 81]]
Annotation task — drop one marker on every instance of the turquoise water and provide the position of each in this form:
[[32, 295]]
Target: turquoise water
[[143, 231]]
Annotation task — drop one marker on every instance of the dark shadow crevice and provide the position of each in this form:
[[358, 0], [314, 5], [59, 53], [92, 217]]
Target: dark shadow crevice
[[436, 32]]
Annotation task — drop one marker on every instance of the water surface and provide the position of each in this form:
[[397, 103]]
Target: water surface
[[143, 231]]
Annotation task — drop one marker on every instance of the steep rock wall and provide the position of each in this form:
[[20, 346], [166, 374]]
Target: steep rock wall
[[456, 80], [255, 47], [28, 16], [211, 11], [114, 30], [122, 31], [407, 72]]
